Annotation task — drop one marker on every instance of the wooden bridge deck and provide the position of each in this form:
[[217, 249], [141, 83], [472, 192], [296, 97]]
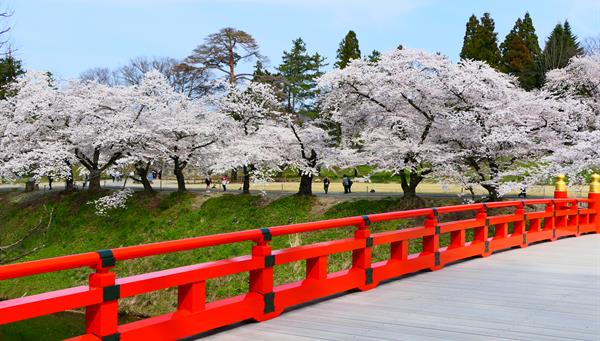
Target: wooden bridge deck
[[548, 291]]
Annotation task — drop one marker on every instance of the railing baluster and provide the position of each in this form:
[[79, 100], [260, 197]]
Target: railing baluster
[[361, 258], [399, 251], [431, 243], [101, 319], [316, 268], [481, 233], [261, 280], [519, 227], [191, 297]]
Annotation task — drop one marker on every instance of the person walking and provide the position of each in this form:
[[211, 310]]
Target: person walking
[[50, 179], [207, 181], [350, 182], [523, 193], [346, 183], [86, 178], [326, 184], [224, 182]]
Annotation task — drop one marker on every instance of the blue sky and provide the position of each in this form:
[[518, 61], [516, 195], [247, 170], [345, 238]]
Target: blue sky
[[69, 36]]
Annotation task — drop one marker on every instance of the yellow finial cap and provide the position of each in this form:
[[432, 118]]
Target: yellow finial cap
[[560, 185], [595, 184]]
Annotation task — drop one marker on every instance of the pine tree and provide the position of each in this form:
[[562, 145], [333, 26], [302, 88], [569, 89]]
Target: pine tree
[[560, 46], [262, 75], [374, 57], [299, 72], [481, 42], [469, 48], [347, 50], [10, 69], [521, 53]]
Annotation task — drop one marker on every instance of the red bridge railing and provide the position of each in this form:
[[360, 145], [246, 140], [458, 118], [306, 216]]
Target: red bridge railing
[[545, 220]]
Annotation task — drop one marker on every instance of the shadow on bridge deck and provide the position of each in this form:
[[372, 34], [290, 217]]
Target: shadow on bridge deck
[[548, 291]]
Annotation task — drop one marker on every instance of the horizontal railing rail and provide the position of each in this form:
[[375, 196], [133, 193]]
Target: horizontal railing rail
[[494, 226]]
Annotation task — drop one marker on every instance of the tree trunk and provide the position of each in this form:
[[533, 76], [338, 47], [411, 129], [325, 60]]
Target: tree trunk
[[246, 186], [94, 184], [141, 169], [178, 170], [70, 179], [493, 194], [409, 182], [30, 185], [305, 184]]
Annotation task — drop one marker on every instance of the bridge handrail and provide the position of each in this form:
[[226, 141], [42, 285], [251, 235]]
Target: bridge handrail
[[560, 217], [92, 259]]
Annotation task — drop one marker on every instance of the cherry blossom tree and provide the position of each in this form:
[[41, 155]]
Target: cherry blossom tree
[[177, 130], [576, 145], [389, 111], [493, 129], [30, 141], [253, 139], [419, 114], [308, 148]]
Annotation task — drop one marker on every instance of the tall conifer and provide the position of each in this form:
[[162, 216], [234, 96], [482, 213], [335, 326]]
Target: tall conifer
[[347, 50]]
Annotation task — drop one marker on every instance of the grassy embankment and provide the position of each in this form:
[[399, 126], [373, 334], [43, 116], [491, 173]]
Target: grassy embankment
[[75, 228]]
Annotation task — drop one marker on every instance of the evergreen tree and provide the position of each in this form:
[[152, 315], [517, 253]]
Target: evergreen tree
[[348, 50], [481, 42], [299, 71], [262, 75], [10, 69], [374, 57], [521, 53], [560, 46]]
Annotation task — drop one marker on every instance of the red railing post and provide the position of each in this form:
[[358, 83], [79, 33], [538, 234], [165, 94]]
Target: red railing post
[[316, 268], [361, 258], [261, 280], [481, 233], [101, 319], [594, 204], [431, 243], [560, 192], [519, 227], [191, 297]]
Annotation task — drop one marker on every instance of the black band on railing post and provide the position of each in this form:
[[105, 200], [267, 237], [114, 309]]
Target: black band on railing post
[[437, 259], [269, 300], [524, 238], [437, 229], [112, 337], [269, 261], [266, 234], [111, 293], [368, 276], [486, 246], [369, 242], [435, 212], [107, 258], [366, 220]]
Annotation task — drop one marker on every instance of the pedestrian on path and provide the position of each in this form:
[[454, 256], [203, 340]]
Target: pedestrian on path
[[523, 193], [346, 183], [207, 181], [326, 184], [224, 182]]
